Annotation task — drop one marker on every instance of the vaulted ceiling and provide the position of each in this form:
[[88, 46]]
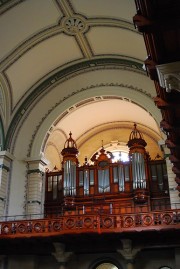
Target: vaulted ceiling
[[73, 65]]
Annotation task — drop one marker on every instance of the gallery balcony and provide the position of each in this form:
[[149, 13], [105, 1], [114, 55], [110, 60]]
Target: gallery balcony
[[97, 221]]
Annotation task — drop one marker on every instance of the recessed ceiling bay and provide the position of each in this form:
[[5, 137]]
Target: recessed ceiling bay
[[102, 118]]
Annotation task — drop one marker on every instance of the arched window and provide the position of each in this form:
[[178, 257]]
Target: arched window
[[106, 266], [105, 263]]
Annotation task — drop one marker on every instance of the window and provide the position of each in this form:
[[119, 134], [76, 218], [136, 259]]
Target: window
[[106, 266], [120, 156], [165, 267]]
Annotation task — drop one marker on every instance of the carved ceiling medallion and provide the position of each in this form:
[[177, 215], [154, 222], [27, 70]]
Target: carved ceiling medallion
[[74, 25]]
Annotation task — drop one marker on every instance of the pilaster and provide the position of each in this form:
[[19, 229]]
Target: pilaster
[[5, 167], [35, 184]]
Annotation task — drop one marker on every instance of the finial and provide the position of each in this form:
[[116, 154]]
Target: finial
[[86, 160], [70, 134], [135, 125], [102, 143]]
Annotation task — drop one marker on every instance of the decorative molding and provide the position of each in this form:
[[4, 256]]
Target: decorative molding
[[60, 76], [56, 29], [2, 199], [74, 25], [2, 166], [169, 76], [78, 91], [5, 5], [35, 171], [33, 202]]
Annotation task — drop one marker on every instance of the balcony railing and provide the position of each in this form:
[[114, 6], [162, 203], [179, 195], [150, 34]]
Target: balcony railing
[[99, 222]]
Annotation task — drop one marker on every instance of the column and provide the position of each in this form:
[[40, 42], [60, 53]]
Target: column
[[60, 255], [5, 166], [128, 252], [35, 190]]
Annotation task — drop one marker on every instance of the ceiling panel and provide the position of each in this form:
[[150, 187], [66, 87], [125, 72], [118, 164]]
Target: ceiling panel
[[25, 20], [102, 112], [39, 61], [119, 9], [109, 40]]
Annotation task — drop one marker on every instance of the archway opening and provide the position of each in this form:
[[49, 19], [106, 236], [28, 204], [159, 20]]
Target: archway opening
[[106, 265]]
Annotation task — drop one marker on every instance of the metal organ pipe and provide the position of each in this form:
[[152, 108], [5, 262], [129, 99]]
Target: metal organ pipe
[[138, 170], [69, 178]]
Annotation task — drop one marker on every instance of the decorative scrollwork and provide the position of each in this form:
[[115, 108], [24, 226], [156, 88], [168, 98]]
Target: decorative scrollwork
[[128, 221], [147, 220], [70, 223], [21, 228], [87, 222], [167, 218], [107, 222], [56, 226], [37, 227], [5, 229], [74, 25]]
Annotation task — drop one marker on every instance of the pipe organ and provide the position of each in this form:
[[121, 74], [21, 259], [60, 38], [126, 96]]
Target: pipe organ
[[139, 184]]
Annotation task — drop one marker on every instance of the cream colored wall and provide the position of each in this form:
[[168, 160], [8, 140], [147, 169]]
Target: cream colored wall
[[29, 137]]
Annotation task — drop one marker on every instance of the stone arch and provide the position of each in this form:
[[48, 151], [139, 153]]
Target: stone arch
[[139, 98]]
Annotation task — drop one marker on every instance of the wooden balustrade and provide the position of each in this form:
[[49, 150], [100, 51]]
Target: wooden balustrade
[[91, 223]]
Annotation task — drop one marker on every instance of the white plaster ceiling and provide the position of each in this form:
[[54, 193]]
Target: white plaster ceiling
[[102, 112], [41, 38]]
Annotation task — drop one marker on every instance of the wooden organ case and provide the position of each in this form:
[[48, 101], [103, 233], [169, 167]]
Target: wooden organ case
[[139, 185]]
